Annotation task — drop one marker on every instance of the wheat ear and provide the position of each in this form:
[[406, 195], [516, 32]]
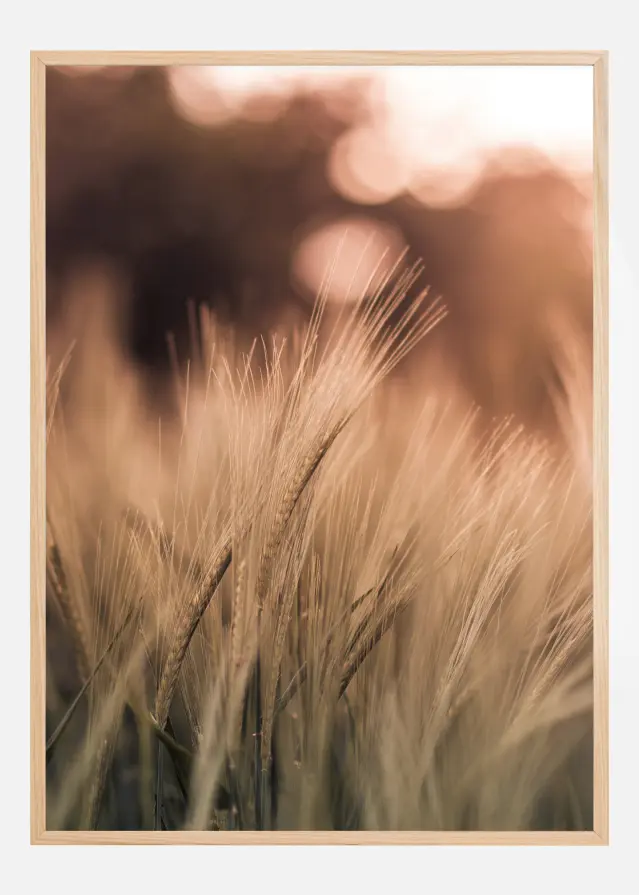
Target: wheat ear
[[289, 502], [237, 618], [186, 626], [71, 614], [238, 660]]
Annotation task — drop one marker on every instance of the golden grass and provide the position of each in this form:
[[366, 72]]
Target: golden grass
[[351, 611]]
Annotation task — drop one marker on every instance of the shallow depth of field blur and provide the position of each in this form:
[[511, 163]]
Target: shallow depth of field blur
[[319, 484]]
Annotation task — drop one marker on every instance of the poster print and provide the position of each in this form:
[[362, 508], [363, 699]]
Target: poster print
[[319, 449]]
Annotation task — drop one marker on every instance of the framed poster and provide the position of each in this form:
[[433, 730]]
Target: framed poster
[[319, 448]]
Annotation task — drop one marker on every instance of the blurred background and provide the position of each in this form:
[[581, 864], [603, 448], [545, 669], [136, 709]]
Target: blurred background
[[236, 187]]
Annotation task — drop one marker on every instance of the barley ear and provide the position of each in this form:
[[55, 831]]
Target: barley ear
[[289, 502], [186, 626]]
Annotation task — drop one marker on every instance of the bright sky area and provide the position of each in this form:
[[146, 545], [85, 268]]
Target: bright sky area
[[432, 121]]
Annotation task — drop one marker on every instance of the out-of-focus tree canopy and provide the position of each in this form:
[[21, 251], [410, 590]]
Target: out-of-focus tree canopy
[[215, 214]]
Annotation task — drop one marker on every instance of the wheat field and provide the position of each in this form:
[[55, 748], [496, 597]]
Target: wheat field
[[305, 601]]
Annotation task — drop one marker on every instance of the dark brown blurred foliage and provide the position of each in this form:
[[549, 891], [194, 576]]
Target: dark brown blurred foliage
[[215, 214]]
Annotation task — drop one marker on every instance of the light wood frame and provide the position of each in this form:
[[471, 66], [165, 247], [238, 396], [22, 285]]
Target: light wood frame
[[599, 61]]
